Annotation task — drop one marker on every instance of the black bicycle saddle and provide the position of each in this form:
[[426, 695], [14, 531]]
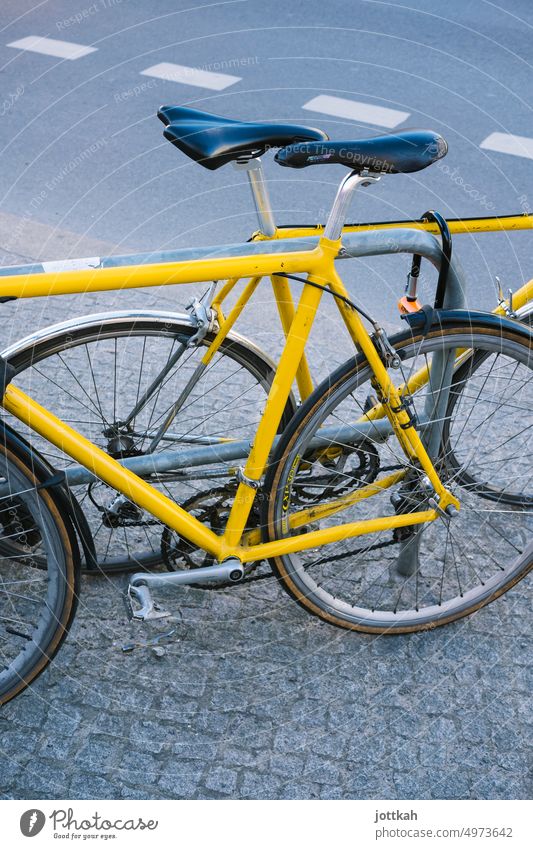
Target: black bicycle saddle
[[394, 153], [212, 141]]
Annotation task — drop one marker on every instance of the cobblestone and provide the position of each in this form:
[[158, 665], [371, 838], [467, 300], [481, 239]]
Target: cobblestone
[[222, 780], [256, 785], [447, 735], [86, 786], [180, 780]]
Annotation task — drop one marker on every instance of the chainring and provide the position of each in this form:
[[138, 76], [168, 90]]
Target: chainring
[[339, 476], [212, 508]]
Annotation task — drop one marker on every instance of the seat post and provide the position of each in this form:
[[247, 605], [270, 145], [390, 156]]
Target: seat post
[[254, 171], [341, 204]]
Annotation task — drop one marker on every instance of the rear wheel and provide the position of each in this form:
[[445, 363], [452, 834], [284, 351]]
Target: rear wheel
[[462, 563]]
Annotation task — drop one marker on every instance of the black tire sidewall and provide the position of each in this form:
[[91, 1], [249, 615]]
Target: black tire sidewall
[[69, 577]]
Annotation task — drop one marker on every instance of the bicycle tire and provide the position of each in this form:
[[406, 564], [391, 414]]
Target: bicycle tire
[[282, 481], [28, 647]]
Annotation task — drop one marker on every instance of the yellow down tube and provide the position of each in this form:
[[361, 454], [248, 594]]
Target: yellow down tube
[[109, 470]]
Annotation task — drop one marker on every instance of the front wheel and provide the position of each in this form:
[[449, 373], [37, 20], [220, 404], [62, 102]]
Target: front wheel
[[95, 375], [459, 565], [39, 579]]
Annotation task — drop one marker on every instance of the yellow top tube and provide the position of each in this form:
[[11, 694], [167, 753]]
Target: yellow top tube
[[490, 224]]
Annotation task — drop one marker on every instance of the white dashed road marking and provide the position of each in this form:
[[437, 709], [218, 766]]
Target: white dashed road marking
[[52, 47], [507, 143], [191, 76], [356, 111]]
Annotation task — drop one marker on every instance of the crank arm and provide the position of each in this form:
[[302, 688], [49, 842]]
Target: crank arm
[[140, 583]]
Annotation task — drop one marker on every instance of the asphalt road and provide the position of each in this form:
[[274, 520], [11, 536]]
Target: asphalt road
[[292, 707], [462, 70]]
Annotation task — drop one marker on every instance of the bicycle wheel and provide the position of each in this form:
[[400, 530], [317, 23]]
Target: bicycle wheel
[[93, 373], [462, 563], [39, 584], [505, 481]]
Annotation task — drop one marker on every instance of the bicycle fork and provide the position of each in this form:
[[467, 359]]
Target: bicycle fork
[[418, 449]]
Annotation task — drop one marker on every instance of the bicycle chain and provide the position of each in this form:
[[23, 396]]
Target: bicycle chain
[[252, 578], [367, 472], [247, 579]]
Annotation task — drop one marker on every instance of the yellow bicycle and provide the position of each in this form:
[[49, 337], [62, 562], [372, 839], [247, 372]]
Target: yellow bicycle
[[396, 497]]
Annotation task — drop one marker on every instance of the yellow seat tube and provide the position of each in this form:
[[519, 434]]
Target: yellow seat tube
[[277, 398], [285, 304]]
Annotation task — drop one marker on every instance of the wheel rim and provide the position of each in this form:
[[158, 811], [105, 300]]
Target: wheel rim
[[423, 597]]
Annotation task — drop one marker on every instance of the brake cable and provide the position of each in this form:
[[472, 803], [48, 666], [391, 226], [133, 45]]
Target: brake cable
[[328, 291], [388, 354]]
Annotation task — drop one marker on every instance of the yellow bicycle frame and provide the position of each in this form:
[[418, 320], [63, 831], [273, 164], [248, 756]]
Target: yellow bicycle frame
[[457, 226], [318, 264]]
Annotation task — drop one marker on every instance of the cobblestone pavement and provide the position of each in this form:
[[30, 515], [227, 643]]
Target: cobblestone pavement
[[254, 698]]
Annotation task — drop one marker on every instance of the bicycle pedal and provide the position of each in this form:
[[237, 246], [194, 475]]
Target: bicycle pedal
[[147, 608]]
